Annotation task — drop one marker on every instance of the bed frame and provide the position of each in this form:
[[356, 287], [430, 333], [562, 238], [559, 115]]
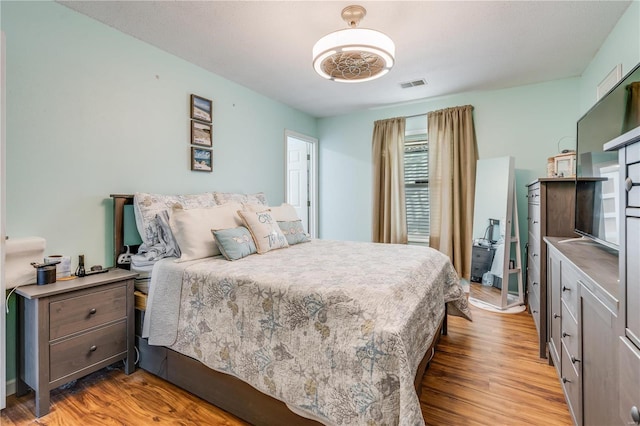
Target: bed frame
[[222, 390]]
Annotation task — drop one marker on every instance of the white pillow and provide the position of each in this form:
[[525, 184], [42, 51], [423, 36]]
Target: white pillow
[[192, 229], [282, 213]]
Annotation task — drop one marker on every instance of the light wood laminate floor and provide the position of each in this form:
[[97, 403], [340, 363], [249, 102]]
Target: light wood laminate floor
[[485, 372]]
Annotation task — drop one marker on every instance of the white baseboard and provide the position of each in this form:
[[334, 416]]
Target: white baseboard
[[11, 387]]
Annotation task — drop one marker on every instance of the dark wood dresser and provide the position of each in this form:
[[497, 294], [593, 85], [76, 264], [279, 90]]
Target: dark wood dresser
[[551, 213], [69, 329]]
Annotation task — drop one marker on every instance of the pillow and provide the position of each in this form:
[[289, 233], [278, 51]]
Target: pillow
[[294, 232], [282, 213], [229, 197], [146, 206], [234, 243], [264, 229], [165, 235], [192, 229]]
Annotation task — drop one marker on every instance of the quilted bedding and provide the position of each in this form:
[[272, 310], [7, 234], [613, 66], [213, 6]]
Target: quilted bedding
[[334, 329]]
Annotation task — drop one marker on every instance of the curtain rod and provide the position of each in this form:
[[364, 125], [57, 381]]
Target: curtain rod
[[415, 115]]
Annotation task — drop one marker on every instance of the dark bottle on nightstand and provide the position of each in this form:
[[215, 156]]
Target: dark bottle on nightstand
[[80, 272]]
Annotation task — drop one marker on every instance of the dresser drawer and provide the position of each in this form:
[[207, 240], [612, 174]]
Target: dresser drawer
[[79, 313], [533, 194], [72, 355], [629, 374], [633, 195], [572, 387], [534, 306], [569, 334], [633, 153], [569, 289]]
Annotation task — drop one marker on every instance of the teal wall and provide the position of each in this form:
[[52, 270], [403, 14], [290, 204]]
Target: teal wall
[[525, 122], [622, 46], [91, 111]]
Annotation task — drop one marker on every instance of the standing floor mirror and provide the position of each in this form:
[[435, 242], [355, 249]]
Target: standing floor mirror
[[496, 272]]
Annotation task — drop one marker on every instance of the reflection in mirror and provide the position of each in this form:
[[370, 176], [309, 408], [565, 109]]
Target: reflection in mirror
[[494, 193]]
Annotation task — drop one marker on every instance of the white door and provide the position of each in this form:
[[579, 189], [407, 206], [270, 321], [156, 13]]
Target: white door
[[3, 358], [300, 178]]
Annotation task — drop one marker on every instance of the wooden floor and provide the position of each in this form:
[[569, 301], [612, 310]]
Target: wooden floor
[[485, 372]]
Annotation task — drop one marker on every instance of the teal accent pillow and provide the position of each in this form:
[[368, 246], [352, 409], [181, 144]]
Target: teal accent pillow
[[234, 243], [294, 232]]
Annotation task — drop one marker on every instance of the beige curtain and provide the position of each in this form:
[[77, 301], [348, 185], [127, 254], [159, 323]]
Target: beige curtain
[[453, 154], [389, 212]]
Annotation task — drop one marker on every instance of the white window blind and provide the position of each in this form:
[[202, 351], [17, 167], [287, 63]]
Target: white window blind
[[416, 180]]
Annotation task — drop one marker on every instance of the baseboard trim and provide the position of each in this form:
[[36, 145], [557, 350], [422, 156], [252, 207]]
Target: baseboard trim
[[11, 387]]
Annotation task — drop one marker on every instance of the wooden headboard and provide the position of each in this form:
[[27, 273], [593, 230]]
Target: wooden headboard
[[119, 201]]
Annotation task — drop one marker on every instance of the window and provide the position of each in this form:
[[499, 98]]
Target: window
[[416, 183]]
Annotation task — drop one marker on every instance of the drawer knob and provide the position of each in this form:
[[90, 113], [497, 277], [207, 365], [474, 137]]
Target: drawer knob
[[635, 415], [534, 311], [535, 221], [565, 334], [628, 183], [535, 254], [574, 359], [92, 311], [565, 380], [565, 288], [534, 283], [93, 348], [556, 316]]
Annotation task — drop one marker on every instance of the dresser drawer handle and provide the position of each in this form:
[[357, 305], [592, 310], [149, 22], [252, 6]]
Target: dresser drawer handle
[[628, 183], [565, 288], [635, 415], [93, 348], [534, 283], [92, 311], [565, 380], [534, 311], [535, 221], [565, 334], [556, 316], [574, 360]]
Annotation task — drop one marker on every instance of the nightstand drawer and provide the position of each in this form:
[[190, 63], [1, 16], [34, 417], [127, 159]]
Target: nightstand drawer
[[79, 313], [72, 355]]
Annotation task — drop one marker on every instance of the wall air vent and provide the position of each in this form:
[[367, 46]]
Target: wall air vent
[[413, 83]]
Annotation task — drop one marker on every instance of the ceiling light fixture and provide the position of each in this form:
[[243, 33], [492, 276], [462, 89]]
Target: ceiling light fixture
[[355, 54]]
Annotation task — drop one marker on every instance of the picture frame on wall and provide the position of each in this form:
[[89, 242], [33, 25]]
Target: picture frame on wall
[[201, 159], [201, 109], [565, 165], [201, 133]]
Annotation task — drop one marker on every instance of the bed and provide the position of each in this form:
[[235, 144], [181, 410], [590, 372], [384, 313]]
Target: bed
[[329, 332]]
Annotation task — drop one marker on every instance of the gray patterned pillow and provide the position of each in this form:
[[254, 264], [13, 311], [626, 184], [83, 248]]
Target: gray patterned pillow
[[294, 232], [146, 206], [234, 243], [226, 197]]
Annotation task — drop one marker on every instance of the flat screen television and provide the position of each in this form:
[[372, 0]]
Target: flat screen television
[[615, 115]]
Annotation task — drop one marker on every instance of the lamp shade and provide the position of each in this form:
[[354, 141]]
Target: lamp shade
[[353, 55]]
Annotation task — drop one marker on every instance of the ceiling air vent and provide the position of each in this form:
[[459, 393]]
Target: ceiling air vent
[[413, 83]]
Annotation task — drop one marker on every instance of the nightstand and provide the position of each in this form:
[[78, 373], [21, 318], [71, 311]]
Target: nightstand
[[69, 329]]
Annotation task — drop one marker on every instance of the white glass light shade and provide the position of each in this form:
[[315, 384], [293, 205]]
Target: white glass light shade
[[353, 55]]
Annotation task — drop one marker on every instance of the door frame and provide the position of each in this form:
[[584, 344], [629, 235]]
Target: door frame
[[313, 176], [3, 233]]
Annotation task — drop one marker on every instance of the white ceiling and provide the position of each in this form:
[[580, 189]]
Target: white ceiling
[[455, 46]]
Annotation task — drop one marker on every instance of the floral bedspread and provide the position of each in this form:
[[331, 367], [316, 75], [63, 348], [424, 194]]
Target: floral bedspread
[[334, 329]]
